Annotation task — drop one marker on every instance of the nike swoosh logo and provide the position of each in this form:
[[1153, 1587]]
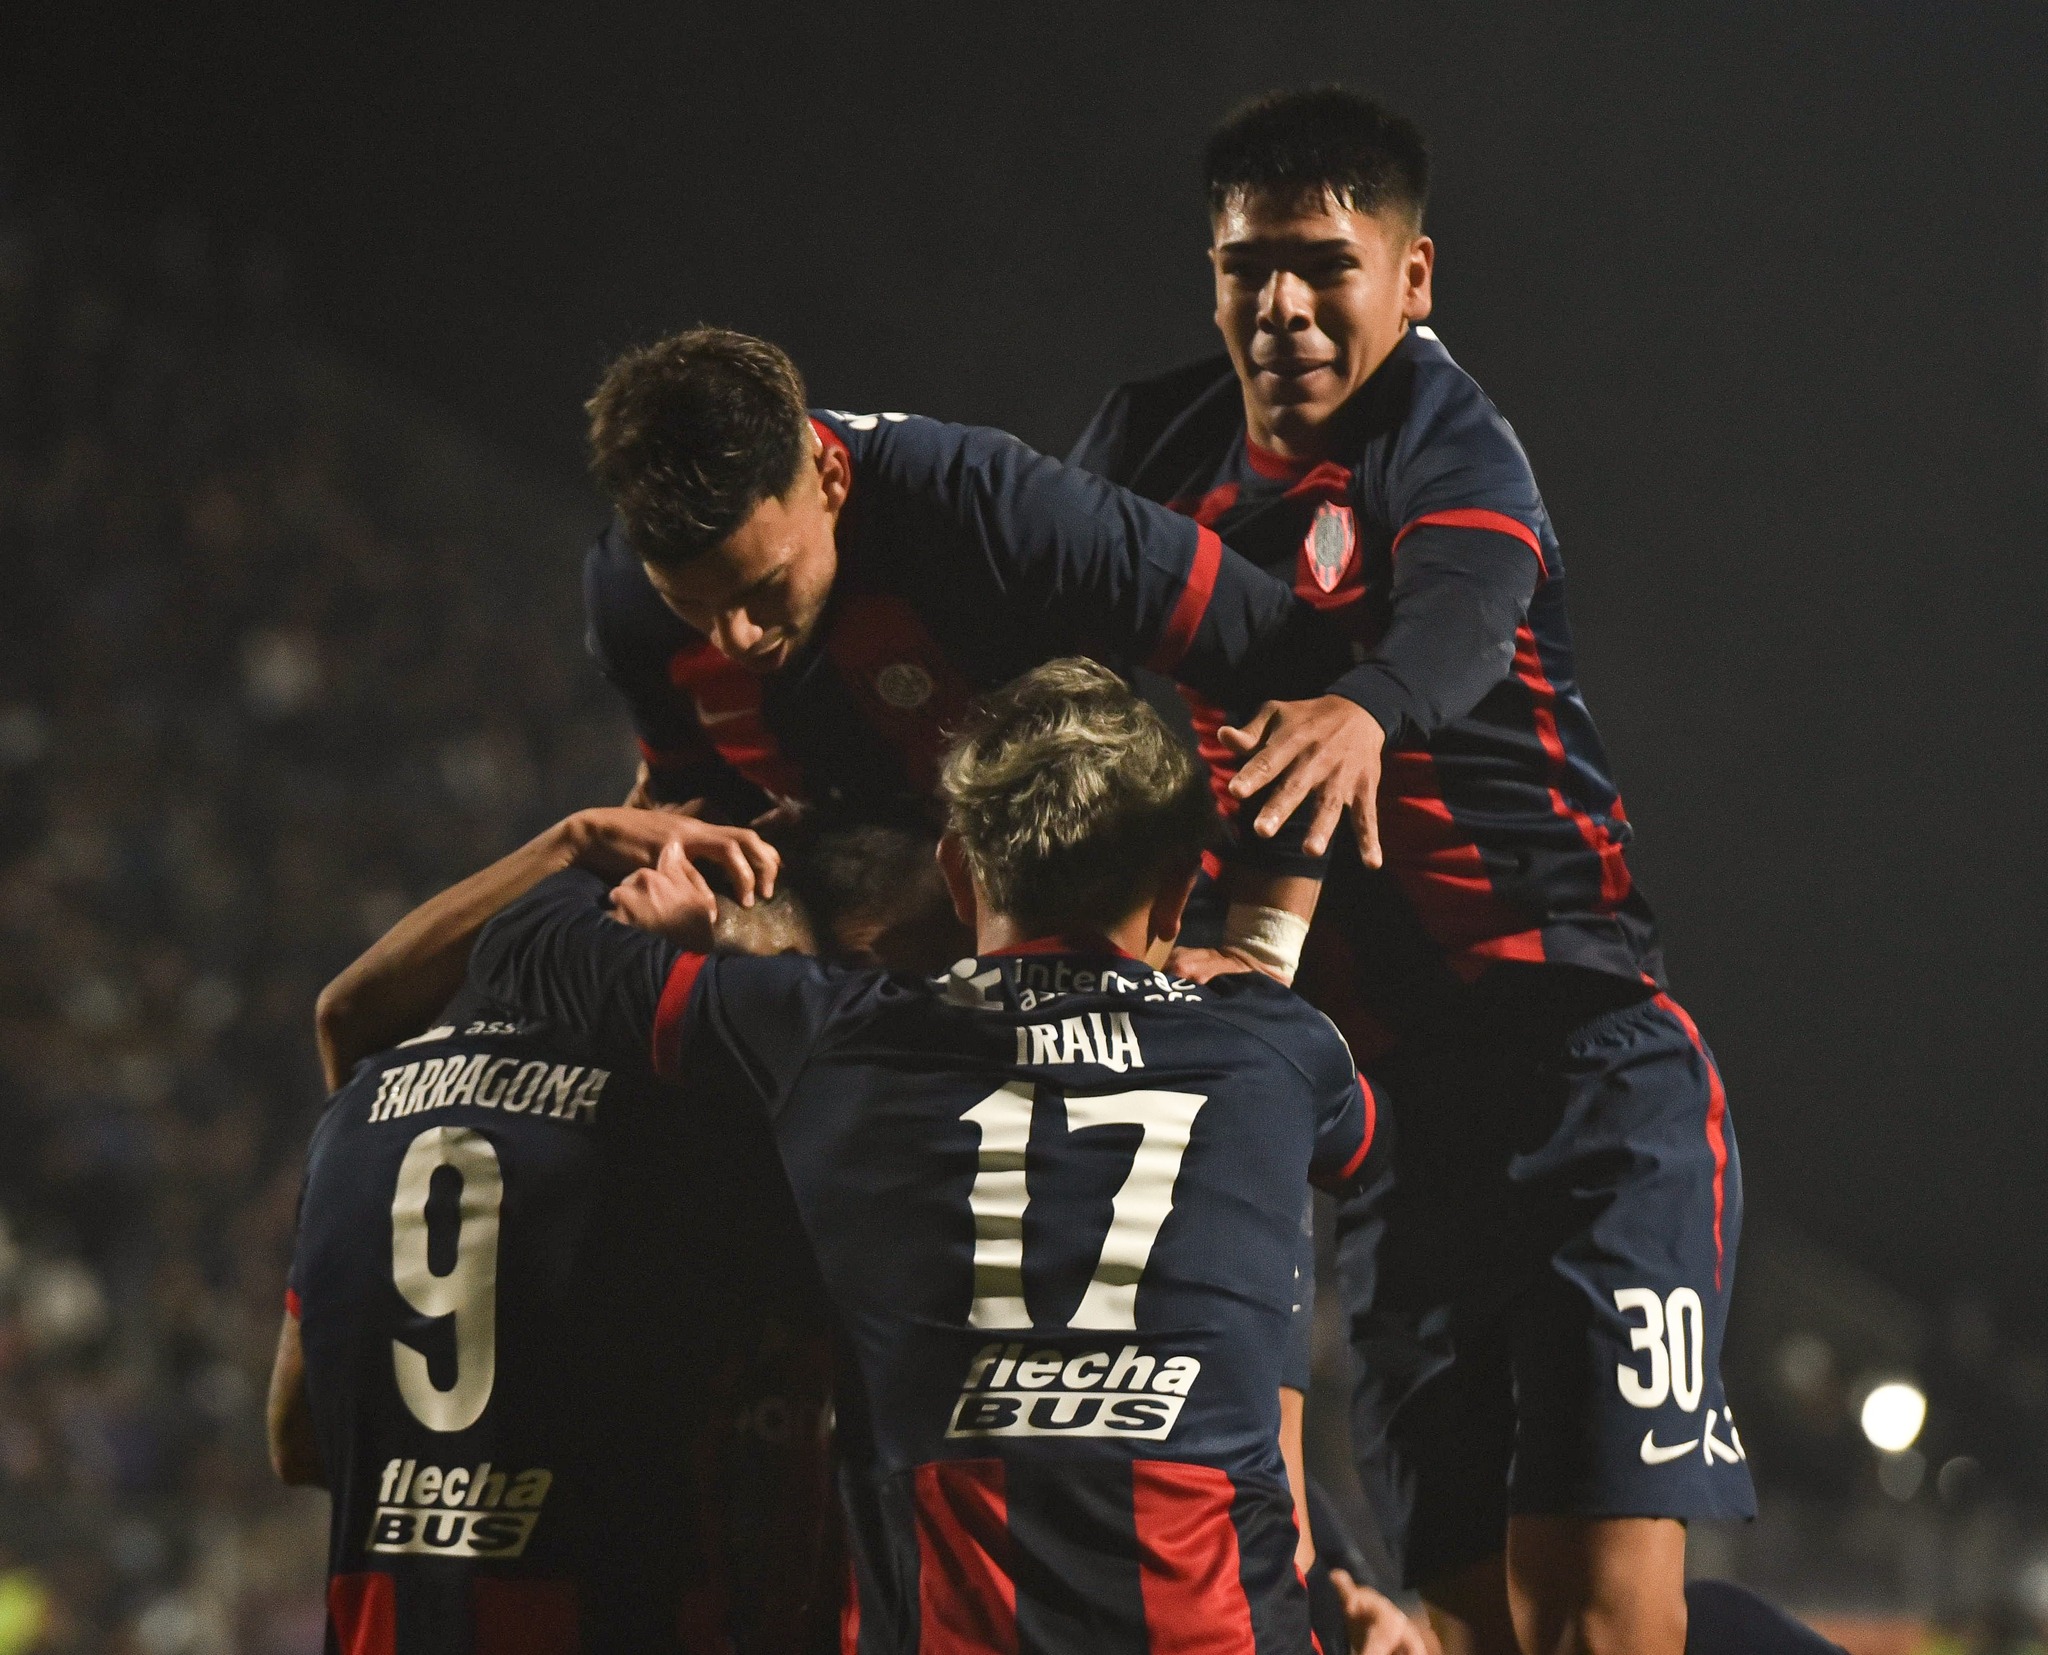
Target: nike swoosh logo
[[723, 718], [1655, 1453]]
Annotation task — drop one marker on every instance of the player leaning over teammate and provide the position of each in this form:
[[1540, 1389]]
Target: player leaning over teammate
[[1054, 1192], [798, 603], [1537, 1287]]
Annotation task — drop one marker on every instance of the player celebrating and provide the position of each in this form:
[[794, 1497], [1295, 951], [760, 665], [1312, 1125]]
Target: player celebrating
[[798, 604], [522, 1457], [1053, 1192], [1538, 1287]]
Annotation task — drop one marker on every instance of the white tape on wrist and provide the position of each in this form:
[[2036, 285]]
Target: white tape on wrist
[[1272, 936]]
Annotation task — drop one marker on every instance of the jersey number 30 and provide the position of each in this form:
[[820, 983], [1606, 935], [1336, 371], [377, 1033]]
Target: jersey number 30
[[467, 1291], [998, 1198]]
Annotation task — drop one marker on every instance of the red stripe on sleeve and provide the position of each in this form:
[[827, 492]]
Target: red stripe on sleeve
[[1188, 1567], [1372, 1121], [364, 1609], [966, 1594], [669, 1013], [292, 1307], [1473, 518], [849, 1614], [1716, 1128], [1193, 604]]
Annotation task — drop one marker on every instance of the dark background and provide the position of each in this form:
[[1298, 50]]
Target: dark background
[[1762, 290]]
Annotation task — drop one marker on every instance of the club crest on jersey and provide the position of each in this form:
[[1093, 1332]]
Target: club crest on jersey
[[904, 685], [1331, 540]]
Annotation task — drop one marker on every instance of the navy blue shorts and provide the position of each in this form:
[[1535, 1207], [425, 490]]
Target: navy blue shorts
[[1536, 1278]]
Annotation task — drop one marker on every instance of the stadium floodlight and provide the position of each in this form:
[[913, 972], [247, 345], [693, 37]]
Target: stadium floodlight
[[1892, 1416]]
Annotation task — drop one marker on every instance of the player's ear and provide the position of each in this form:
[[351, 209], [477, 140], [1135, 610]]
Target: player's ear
[[1170, 903], [835, 475], [1418, 268], [959, 880]]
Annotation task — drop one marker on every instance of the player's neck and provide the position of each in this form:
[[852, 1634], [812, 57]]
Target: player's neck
[[999, 933], [1288, 442]]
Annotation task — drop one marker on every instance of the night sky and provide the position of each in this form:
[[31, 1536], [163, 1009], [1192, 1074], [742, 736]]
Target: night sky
[[1762, 290]]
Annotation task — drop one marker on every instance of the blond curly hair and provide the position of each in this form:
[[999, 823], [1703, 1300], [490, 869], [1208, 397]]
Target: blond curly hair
[[1071, 799]]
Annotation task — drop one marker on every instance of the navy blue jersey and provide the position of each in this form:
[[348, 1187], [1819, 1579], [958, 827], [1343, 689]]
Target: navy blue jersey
[[1056, 1197], [1426, 540], [964, 560], [531, 1294]]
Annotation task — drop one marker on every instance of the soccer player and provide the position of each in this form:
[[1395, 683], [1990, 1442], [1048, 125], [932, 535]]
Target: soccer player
[[514, 1355], [1054, 1191], [1537, 1287], [798, 603]]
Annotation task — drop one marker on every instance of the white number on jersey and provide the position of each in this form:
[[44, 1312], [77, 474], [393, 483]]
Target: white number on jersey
[[468, 1292], [1165, 1121]]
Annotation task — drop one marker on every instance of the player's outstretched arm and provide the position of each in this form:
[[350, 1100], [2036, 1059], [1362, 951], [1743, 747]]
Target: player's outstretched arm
[[1459, 595], [392, 989]]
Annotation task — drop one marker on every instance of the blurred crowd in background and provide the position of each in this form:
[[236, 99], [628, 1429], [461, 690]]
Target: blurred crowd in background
[[278, 655], [282, 652]]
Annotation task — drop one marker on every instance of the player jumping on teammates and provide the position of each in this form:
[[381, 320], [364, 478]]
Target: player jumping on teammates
[[1537, 1288], [1054, 1192]]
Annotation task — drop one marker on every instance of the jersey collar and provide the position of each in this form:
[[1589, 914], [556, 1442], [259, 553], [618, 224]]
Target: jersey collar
[[1092, 943]]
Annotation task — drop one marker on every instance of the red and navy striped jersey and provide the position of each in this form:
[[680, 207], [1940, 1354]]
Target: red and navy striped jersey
[[526, 1352], [1426, 540], [1055, 1197], [964, 560]]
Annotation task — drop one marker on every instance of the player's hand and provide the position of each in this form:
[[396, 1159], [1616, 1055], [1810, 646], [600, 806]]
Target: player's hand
[[1199, 965], [1327, 749], [671, 899], [614, 842], [1375, 1622]]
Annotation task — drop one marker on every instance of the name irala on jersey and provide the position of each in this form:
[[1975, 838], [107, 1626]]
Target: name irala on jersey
[[462, 1511], [1106, 1039], [560, 1091], [1053, 1393]]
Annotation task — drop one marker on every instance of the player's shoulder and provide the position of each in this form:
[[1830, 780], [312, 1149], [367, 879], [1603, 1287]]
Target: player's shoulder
[[834, 998], [625, 614], [1446, 410], [1177, 417], [1265, 1011], [918, 456]]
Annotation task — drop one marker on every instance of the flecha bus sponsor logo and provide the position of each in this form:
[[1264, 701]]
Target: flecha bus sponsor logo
[[1091, 1393], [463, 1511]]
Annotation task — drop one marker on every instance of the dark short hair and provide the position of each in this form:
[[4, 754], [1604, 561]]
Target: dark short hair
[[690, 434], [1320, 140], [1071, 799], [867, 871]]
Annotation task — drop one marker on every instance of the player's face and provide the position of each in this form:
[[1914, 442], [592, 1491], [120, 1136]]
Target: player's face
[[758, 595], [1311, 295]]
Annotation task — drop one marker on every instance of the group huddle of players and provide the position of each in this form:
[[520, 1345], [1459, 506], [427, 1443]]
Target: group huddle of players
[[853, 1193]]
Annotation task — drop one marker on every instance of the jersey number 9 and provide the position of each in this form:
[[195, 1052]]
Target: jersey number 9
[[468, 1291]]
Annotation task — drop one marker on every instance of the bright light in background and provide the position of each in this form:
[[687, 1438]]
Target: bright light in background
[[1892, 1416]]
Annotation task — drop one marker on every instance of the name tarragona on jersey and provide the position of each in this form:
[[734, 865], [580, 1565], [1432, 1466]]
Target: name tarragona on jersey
[[1054, 1393], [561, 1091], [459, 1512]]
